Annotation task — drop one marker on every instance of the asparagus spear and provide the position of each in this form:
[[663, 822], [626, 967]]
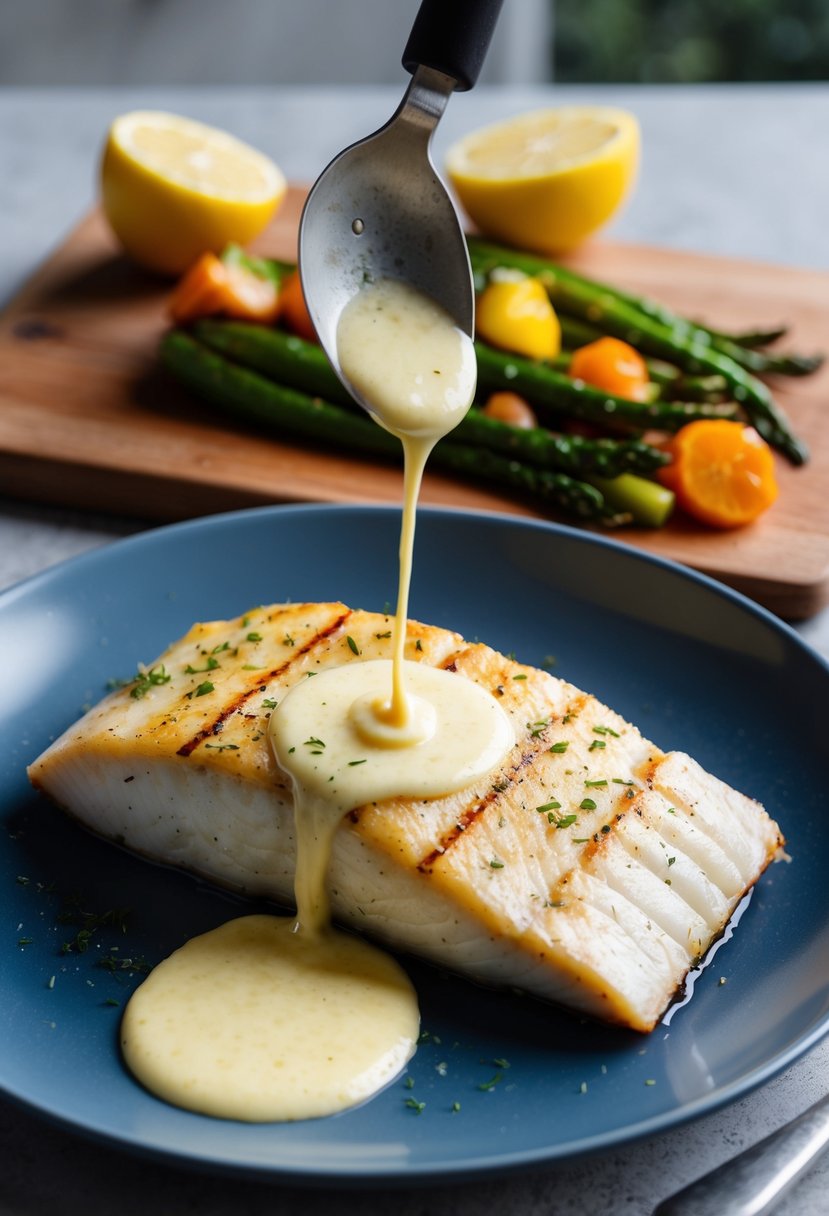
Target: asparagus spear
[[652, 332], [282, 357], [552, 393], [303, 365], [752, 338], [742, 347], [250, 395]]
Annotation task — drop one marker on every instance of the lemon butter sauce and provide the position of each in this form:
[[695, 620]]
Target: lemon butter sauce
[[267, 1017]]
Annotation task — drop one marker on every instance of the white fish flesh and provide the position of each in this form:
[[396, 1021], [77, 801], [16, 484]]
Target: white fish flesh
[[590, 869]]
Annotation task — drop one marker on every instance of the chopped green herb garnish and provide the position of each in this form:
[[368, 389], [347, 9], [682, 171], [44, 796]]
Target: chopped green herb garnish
[[650, 1081], [269, 703], [80, 943], [597, 745], [352, 645], [73, 914], [566, 821], [222, 646], [316, 745], [671, 861], [288, 640], [145, 680], [495, 864], [621, 781], [492, 1082], [138, 964], [418, 645], [426, 1036], [223, 747], [606, 730], [23, 880], [354, 763], [211, 665], [455, 1107], [254, 637], [521, 676], [549, 806], [381, 636], [598, 784], [203, 689], [587, 804], [504, 1064], [537, 728], [25, 941], [560, 748], [417, 1107], [111, 1001], [409, 1082]]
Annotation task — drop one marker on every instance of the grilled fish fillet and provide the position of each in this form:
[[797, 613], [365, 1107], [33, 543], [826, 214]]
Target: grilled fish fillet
[[591, 869]]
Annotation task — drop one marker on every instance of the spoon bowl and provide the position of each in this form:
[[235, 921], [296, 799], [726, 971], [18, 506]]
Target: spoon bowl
[[380, 210]]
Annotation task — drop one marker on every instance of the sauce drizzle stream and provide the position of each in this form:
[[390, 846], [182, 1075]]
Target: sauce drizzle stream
[[275, 1018]]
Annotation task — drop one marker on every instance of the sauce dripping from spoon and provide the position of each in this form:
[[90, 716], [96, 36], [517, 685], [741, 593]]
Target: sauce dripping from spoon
[[268, 1017]]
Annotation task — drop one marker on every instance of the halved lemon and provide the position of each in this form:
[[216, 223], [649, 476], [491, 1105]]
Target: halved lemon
[[548, 179], [173, 188]]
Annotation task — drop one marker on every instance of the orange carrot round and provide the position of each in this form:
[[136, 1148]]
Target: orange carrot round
[[512, 409], [612, 365], [722, 472]]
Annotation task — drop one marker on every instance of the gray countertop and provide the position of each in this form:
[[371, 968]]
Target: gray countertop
[[730, 170]]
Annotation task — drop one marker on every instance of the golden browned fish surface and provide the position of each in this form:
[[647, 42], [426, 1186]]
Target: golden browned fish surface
[[591, 868]]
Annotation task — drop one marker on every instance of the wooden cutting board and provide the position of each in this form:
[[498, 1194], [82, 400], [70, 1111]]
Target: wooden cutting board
[[88, 420]]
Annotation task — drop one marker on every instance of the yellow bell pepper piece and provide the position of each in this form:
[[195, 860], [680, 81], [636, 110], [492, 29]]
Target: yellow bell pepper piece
[[515, 314]]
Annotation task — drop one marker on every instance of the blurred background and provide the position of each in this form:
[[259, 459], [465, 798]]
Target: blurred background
[[239, 42]]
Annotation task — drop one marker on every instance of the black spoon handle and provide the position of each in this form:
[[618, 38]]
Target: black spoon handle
[[453, 37]]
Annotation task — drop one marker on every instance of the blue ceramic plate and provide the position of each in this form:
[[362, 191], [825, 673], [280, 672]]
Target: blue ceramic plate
[[694, 665]]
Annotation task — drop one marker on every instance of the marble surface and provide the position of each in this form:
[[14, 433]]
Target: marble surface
[[726, 170]]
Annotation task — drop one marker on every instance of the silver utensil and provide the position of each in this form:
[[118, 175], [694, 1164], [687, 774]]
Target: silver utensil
[[753, 1183], [379, 210]]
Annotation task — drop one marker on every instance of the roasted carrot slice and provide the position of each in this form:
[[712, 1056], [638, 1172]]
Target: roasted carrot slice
[[201, 290], [211, 287], [612, 365], [722, 472], [293, 310]]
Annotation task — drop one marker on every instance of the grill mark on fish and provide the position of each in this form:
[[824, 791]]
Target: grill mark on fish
[[217, 725], [477, 807]]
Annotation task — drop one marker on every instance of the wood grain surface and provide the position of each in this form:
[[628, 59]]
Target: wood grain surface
[[87, 419]]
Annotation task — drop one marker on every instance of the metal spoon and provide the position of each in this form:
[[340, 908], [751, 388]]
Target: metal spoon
[[379, 210]]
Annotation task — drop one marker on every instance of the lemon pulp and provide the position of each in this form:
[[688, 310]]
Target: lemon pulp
[[173, 188], [547, 179]]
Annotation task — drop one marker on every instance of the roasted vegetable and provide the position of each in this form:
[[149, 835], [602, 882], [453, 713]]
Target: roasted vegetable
[[652, 330], [249, 395]]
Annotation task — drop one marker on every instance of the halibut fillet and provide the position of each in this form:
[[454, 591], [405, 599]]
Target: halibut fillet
[[590, 869]]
